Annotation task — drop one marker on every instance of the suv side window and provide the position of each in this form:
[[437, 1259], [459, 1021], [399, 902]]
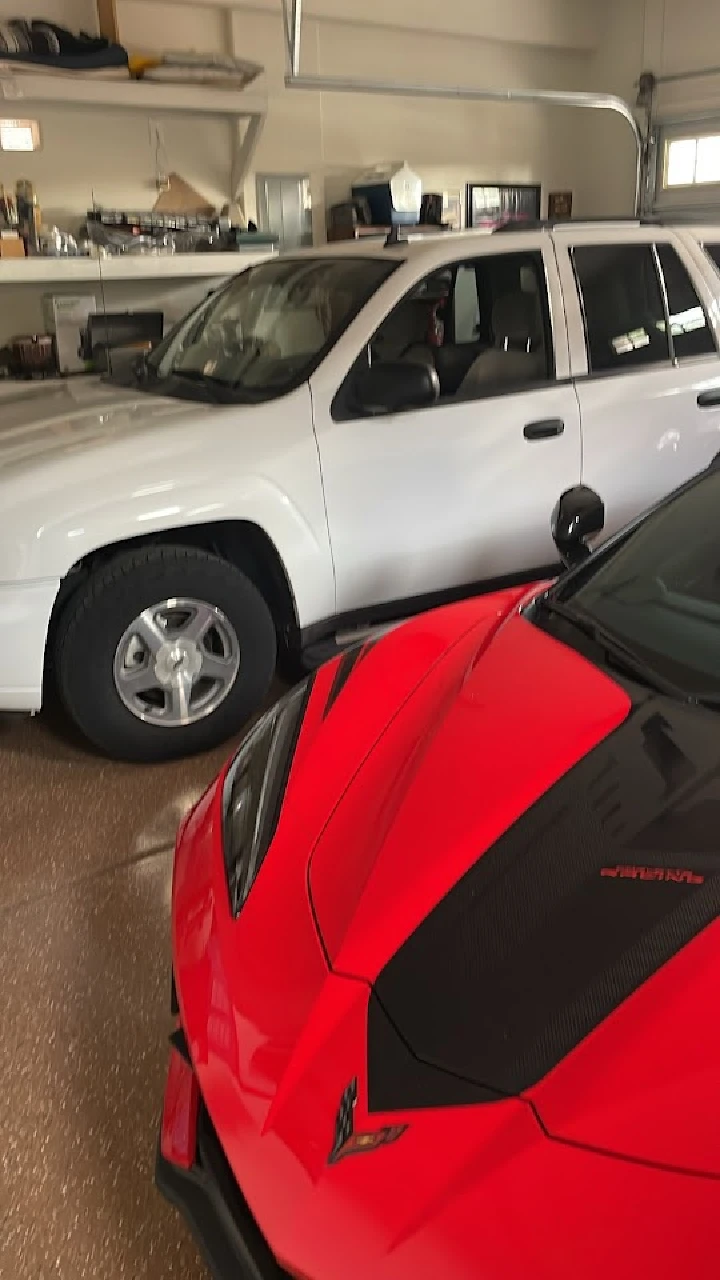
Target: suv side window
[[625, 326], [689, 328], [482, 324]]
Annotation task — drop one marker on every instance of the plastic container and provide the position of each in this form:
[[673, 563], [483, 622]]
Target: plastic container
[[393, 193]]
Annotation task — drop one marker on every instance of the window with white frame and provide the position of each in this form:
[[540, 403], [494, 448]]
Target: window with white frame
[[692, 161]]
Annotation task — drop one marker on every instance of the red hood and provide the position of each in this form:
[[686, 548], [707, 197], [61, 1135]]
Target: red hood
[[493, 727]]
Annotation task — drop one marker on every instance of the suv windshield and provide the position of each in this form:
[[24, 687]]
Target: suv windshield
[[657, 591], [267, 330]]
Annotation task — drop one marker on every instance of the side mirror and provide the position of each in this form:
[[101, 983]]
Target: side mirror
[[394, 385], [579, 514]]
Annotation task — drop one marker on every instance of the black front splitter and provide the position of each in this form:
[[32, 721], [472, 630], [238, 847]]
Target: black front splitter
[[210, 1200]]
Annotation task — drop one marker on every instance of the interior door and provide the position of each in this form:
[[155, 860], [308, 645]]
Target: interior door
[[284, 208], [646, 364], [426, 501]]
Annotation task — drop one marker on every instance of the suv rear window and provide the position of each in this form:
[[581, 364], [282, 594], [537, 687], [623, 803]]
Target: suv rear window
[[691, 335], [622, 307]]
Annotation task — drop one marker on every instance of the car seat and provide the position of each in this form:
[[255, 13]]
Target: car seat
[[519, 351]]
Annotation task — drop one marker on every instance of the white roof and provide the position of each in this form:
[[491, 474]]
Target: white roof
[[437, 247], [415, 242]]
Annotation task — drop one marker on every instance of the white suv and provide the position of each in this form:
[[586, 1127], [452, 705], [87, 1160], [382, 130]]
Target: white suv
[[334, 440]]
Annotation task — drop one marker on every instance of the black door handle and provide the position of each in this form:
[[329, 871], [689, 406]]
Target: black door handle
[[709, 399], [544, 429]]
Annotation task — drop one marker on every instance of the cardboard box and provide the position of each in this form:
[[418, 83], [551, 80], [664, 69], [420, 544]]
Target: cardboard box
[[11, 246], [66, 315]]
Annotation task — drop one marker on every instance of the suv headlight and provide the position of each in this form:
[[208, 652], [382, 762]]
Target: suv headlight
[[254, 789]]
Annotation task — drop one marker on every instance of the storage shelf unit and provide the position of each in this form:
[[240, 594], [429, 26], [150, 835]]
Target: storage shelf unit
[[174, 266], [247, 109], [172, 283], [125, 94]]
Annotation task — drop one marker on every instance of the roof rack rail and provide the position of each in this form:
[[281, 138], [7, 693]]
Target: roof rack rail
[[399, 234], [407, 234], [549, 224]]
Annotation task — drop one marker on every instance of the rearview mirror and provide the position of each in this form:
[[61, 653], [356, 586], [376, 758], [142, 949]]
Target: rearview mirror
[[579, 514], [391, 386]]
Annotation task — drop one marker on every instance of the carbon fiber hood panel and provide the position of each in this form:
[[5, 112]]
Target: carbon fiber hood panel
[[588, 894]]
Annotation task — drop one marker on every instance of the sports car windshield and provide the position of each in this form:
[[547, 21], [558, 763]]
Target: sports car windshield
[[658, 591], [268, 329]]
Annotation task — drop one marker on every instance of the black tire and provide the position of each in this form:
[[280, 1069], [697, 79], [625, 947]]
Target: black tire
[[291, 664], [96, 618]]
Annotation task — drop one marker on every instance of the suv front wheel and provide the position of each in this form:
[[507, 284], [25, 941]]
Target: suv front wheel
[[163, 652]]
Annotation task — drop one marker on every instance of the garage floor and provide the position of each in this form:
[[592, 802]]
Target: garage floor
[[85, 866]]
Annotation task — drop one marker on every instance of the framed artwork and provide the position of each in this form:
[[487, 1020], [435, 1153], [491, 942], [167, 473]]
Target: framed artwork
[[560, 204], [491, 204]]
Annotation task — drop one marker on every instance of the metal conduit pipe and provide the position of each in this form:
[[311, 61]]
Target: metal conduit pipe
[[676, 76], [392, 88]]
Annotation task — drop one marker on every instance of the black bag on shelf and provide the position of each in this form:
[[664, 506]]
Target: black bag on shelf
[[47, 45]]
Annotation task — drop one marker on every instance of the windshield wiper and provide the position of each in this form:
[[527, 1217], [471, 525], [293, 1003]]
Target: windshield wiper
[[617, 654]]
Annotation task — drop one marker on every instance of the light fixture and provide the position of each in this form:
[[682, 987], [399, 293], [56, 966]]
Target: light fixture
[[19, 135]]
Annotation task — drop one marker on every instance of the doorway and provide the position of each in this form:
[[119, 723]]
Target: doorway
[[284, 208]]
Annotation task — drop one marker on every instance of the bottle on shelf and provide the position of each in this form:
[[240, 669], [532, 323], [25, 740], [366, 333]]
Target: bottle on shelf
[[28, 213], [8, 210]]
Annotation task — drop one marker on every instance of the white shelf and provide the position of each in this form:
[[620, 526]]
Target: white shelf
[[124, 94], [174, 266]]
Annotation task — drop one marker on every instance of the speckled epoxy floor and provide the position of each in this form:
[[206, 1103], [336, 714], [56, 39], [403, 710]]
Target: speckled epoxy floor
[[85, 866]]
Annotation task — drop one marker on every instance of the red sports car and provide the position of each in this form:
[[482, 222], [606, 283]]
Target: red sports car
[[446, 946]]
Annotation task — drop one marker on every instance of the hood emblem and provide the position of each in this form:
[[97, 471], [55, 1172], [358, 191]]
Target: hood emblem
[[347, 1141]]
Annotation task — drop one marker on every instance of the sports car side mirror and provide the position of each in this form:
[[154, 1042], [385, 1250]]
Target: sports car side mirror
[[579, 514]]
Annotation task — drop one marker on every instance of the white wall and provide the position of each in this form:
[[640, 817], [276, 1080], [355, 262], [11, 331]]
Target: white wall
[[518, 43], [108, 157], [568, 24], [333, 136], [680, 37], [511, 43], [663, 36]]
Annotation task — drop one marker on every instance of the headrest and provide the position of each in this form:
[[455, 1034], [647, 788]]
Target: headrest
[[516, 320], [405, 326]]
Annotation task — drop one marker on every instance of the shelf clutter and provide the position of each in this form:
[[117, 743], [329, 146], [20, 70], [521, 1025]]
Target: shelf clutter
[[122, 270], [182, 236], [384, 198], [43, 62]]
